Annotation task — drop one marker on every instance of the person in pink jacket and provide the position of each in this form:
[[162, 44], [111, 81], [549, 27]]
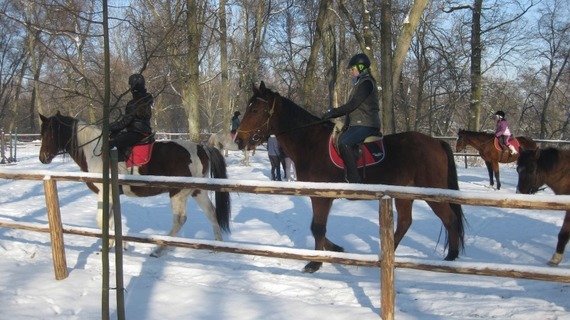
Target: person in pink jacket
[[503, 132]]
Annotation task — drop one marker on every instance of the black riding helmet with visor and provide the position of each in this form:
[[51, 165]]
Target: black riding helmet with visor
[[360, 61], [136, 82]]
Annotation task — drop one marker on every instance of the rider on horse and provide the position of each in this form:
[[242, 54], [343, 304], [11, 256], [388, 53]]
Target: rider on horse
[[362, 114], [134, 125], [503, 132]]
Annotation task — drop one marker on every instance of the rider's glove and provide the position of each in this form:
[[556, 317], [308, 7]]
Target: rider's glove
[[331, 113]]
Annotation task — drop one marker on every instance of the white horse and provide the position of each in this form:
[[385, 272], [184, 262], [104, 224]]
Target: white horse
[[63, 134], [223, 141]]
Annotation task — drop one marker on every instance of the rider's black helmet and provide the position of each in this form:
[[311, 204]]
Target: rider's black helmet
[[359, 59], [501, 114], [136, 81]]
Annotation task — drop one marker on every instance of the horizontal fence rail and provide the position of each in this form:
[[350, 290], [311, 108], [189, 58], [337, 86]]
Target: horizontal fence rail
[[384, 193]]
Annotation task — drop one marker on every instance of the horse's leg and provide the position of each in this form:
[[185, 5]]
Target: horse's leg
[[178, 204], [99, 217], [563, 237], [449, 220], [491, 172], [203, 201], [497, 175], [404, 209], [321, 210]]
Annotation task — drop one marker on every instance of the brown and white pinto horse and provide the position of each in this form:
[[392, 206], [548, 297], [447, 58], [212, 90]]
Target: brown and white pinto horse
[[549, 167], [64, 134], [411, 159], [484, 143]]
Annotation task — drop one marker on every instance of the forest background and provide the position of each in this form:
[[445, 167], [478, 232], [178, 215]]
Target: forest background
[[452, 63]]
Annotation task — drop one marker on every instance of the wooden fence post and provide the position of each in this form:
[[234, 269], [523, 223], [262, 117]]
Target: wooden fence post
[[55, 229], [387, 262]]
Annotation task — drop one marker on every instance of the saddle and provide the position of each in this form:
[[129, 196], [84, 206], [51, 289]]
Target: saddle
[[369, 152], [512, 140], [140, 153]]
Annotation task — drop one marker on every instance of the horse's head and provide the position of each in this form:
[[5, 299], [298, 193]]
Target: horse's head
[[460, 144], [56, 133], [257, 123], [530, 177]]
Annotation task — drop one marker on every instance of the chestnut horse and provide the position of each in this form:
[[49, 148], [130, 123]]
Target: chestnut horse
[[484, 143], [549, 167], [411, 159], [63, 134]]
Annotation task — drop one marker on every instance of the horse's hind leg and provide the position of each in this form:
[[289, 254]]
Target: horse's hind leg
[[445, 213], [563, 237], [204, 202], [404, 209], [178, 204]]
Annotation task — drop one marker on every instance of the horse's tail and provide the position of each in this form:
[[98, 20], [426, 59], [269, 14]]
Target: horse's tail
[[453, 184], [223, 203]]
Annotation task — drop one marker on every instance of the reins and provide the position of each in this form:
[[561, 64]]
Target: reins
[[270, 112], [72, 143]]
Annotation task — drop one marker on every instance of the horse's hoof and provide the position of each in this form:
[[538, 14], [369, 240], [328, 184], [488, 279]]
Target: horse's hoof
[[452, 255], [555, 260], [158, 252], [312, 267]]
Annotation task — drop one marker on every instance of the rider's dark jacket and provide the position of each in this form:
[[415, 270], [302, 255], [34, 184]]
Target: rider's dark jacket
[[362, 107], [137, 114]]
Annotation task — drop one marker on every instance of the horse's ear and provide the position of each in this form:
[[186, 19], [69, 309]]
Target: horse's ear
[[262, 86], [42, 117], [255, 89]]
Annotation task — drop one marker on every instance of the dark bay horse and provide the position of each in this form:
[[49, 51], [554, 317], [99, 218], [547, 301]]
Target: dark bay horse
[[549, 167], [411, 159], [484, 143], [63, 134]]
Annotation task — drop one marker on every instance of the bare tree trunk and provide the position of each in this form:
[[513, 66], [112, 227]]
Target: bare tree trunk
[[309, 82], [476, 50], [405, 39], [191, 93], [388, 121], [329, 45], [225, 90]]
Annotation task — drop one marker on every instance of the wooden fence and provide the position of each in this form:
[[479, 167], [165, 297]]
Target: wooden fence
[[385, 194]]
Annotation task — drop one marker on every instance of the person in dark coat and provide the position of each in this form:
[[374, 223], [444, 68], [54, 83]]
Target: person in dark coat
[[235, 123], [134, 124], [362, 113], [274, 153]]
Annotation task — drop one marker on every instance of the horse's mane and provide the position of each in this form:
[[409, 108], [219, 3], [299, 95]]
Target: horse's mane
[[297, 117], [298, 112], [85, 140], [548, 158], [474, 133]]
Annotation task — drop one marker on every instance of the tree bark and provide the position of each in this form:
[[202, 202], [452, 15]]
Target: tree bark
[[476, 50]]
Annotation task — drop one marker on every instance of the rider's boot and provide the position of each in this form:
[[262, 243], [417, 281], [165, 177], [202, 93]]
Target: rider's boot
[[512, 149], [350, 169]]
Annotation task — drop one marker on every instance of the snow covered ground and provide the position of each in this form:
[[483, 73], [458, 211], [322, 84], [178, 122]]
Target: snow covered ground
[[198, 284]]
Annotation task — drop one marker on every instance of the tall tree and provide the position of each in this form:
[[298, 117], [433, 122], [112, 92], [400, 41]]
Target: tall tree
[[477, 47], [191, 95], [225, 89]]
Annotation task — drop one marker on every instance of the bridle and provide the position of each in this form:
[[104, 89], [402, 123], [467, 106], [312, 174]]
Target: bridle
[[71, 143], [257, 136]]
